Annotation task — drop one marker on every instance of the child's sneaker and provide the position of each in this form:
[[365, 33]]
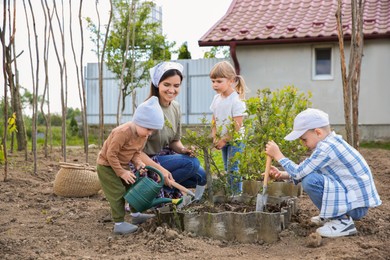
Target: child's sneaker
[[318, 220], [338, 228], [141, 218], [124, 228]]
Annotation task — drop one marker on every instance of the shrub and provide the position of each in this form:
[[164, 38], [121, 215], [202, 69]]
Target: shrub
[[73, 127], [270, 117]]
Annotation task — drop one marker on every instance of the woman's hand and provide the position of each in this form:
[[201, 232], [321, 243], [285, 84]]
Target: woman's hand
[[167, 178], [128, 177], [188, 151], [219, 144]]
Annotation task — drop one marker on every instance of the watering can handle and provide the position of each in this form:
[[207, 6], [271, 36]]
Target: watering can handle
[[152, 169]]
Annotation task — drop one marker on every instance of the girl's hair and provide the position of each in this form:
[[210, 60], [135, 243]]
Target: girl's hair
[[224, 69], [167, 74]]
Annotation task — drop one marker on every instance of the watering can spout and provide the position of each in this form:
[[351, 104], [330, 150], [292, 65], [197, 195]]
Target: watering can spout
[[166, 200]]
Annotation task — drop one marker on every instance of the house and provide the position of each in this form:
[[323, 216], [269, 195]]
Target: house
[[295, 42]]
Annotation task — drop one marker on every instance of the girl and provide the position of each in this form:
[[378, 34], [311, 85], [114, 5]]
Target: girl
[[228, 109]]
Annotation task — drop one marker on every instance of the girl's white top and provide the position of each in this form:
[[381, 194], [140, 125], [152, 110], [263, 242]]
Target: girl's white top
[[225, 108]]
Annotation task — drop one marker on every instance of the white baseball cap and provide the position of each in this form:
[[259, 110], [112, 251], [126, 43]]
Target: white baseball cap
[[310, 118], [149, 114]]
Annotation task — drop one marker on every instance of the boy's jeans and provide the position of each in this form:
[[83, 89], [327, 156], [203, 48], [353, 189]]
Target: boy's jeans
[[234, 179], [313, 185], [185, 170]]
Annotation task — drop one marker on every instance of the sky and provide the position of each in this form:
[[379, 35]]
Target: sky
[[188, 20], [183, 21]]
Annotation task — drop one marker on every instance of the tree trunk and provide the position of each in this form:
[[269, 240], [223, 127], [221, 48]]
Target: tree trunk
[[46, 85], [346, 87], [16, 102], [105, 44], [64, 86], [351, 80], [21, 135], [210, 192], [34, 82], [74, 55], [4, 139], [36, 88], [11, 84], [61, 66], [357, 44], [84, 101], [101, 104], [121, 84], [134, 92]]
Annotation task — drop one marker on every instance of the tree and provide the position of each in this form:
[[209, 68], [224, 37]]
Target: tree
[[217, 52], [146, 44], [62, 67], [351, 79], [13, 83], [80, 82], [3, 145], [132, 11], [73, 126], [184, 52], [83, 102], [100, 40], [47, 118], [35, 80]]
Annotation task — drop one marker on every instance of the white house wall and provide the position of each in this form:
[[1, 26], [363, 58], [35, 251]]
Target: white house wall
[[275, 66], [375, 84]]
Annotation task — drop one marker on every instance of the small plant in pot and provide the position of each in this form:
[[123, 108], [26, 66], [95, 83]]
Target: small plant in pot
[[270, 117]]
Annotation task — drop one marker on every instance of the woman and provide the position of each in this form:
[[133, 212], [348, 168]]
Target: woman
[[164, 149]]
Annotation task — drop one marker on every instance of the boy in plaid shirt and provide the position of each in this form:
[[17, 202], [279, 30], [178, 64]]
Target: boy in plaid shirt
[[336, 177]]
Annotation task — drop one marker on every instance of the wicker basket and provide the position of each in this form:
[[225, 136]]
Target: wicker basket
[[76, 180]]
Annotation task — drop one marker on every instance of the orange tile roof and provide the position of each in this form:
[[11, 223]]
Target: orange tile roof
[[270, 21]]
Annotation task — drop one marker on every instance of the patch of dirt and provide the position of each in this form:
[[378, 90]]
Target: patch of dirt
[[37, 224]]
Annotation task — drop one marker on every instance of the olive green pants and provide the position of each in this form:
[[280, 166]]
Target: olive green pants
[[114, 190]]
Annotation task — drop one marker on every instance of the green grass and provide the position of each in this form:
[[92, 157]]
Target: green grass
[[380, 145], [73, 140]]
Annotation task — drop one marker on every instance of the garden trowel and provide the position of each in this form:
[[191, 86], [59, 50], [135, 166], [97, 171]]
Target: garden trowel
[[187, 196], [261, 201]]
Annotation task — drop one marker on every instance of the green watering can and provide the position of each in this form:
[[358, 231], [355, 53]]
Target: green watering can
[[142, 194]]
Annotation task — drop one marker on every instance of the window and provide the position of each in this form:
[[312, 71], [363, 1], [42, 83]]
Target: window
[[322, 63]]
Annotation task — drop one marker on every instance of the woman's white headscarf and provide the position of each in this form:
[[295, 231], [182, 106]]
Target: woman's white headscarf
[[158, 71]]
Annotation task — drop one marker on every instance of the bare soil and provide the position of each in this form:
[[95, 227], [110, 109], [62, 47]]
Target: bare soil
[[37, 224]]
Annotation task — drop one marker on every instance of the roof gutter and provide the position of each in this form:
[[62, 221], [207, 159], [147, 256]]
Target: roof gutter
[[233, 54], [287, 40]]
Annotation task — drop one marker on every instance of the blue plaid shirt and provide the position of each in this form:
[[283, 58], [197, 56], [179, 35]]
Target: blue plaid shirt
[[348, 182]]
